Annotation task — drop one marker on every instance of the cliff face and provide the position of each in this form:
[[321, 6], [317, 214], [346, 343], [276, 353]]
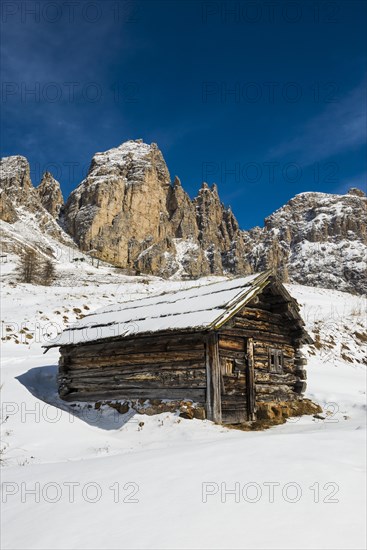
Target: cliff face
[[23, 206], [128, 212], [49, 192], [316, 239], [15, 186]]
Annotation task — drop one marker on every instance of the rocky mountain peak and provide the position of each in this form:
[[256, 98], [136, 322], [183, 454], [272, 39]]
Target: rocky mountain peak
[[21, 202], [15, 176], [316, 238], [50, 194], [129, 211], [131, 161], [16, 189], [357, 192]]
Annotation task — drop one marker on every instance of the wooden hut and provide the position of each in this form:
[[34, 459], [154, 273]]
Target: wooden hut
[[228, 346]]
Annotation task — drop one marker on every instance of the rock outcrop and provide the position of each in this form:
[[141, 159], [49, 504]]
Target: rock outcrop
[[21, 202], [316, 239], [15, 187], [128, 213], [50, 194]]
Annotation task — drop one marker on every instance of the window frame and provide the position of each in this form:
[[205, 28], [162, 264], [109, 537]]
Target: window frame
[[276, 366]]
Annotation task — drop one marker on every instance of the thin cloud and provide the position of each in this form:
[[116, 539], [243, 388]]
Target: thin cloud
[[340, 128]]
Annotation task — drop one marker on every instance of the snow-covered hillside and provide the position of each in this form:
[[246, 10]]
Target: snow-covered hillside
[[77, 477], [316, 239]]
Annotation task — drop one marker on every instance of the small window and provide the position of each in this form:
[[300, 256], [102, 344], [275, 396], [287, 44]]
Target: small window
[[275, 360], [227, 367]]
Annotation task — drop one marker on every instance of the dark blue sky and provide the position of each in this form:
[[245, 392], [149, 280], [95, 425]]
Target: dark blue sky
[[265, 98]]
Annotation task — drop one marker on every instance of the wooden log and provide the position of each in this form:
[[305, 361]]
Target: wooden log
[[165, 378], [300, 386], [133, 384], [127, 346], [140, 375], [110, 366], [300, 361], [136, 369], [263, 347], [250, 379], [233, 344], [256, 313], [257, 335], [262, 326], [273, 378], [213, 378], [273, 389], [300, 373], [137, 358], [197, 395]]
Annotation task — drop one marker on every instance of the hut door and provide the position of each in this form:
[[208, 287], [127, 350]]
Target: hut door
[[250, 379]]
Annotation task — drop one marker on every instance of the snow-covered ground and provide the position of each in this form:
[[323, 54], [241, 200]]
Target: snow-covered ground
[[74, 477]]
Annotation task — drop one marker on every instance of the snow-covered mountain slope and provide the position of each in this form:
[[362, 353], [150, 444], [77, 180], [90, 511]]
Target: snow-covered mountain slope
[[105, 480], [21, 202], [316, 239], [129, 213]]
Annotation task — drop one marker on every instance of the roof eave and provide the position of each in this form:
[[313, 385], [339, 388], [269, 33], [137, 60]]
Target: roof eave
[[240, 301]]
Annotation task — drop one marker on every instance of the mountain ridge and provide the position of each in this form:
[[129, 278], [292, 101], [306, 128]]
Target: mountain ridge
[[128, 212]]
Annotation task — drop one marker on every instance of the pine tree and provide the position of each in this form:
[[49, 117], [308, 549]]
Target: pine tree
[[48, 272], [29, 266]]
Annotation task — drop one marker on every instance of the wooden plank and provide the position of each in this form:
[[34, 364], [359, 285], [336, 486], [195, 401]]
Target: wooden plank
[[250, 379], [234, 416], [209, 401], [214, 378], [239, 355]]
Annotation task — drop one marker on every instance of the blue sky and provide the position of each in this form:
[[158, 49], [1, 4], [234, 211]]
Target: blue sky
[[266, 99]]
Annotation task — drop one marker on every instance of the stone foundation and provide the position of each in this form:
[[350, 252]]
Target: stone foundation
[[185, 409], [268, 413]]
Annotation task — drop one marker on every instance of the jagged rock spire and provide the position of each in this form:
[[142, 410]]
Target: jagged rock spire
[[50, 194], [129, 211]]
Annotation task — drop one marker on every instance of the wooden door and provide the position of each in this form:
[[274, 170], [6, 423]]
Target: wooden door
[[232, 354]]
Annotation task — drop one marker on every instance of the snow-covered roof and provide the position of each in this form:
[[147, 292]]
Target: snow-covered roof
[[196, 308]]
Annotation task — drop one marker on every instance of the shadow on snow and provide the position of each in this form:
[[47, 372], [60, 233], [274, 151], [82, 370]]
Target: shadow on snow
[[41, 382]]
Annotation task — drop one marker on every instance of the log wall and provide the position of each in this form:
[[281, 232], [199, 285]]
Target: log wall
[[247, 340], [159, 367]]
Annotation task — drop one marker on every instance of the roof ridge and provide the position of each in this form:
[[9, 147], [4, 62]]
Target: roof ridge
[[207, 309], [136, 301]]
